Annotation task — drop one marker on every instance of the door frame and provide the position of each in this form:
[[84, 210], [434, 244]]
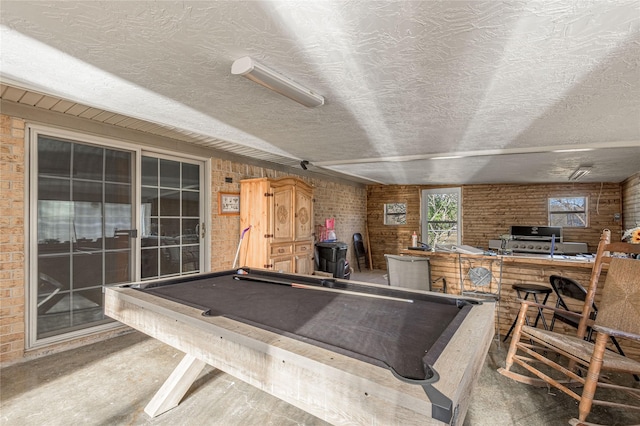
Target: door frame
[[32, 131]]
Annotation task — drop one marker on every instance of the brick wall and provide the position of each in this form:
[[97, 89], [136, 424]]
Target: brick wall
[[12, 255], [347, 205], [345, 202], [391, 238], [489, 210]]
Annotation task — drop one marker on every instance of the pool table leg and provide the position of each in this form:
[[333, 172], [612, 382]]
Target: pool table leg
[[176, 386]]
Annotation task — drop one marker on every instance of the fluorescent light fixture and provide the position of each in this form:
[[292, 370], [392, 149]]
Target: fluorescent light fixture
[[270, 79], [447, 157], [581, 172], [573, 150]]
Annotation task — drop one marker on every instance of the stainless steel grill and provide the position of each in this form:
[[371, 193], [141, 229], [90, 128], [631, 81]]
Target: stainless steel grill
[[538, 240]]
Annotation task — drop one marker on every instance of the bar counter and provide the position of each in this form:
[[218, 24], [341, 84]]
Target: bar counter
[[509, 270]]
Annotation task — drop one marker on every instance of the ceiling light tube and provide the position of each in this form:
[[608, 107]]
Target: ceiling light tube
[[447, 157], [573, 150], [270, 79], [581, 172]]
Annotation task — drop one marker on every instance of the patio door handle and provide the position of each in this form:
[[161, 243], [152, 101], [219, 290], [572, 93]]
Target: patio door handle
[[131, 233]]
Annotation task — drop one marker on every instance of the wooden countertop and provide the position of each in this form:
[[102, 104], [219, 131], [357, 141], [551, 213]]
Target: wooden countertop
[[557, 260]]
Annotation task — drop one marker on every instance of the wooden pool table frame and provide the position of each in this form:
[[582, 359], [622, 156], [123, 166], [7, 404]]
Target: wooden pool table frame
[[333, 387]]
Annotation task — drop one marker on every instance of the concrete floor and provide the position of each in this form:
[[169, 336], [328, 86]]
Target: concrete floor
[[110, 382]]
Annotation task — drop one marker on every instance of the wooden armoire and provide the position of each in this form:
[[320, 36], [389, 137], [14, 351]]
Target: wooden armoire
[[280, 214]]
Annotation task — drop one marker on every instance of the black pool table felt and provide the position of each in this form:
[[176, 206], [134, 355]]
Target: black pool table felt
[[405, 336]]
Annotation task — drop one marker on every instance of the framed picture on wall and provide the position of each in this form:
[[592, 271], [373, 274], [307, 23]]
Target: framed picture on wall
[[395, 214], [228, 203]]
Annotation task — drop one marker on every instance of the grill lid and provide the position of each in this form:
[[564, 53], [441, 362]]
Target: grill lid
[[536, 233]]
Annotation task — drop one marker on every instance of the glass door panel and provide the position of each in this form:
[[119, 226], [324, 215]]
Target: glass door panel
[[171, 204], [84, 223]]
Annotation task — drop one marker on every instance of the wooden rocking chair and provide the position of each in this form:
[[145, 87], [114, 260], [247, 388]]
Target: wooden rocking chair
[[619, 316]]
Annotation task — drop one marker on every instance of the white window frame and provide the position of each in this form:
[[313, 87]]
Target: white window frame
[[424, 211], [568, 212]]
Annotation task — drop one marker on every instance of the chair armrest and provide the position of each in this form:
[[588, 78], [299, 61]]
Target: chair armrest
[[616, 333], [550, 308], [577, 315]]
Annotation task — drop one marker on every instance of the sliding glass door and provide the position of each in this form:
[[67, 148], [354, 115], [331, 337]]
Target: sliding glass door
[[103, 212]]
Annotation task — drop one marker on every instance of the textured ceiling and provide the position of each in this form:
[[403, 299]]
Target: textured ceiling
[[500, 85]]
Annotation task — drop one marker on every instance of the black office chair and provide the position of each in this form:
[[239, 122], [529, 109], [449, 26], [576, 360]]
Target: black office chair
[[567, 290], [358, 248]]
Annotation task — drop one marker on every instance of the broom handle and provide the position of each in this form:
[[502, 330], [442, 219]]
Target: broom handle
[[235, 260], [366, 232]]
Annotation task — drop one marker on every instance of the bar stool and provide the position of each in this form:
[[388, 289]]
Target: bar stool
[[535, 290]]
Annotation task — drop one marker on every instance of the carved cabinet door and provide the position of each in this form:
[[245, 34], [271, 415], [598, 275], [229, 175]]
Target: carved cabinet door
[[304, 215], [283, 216]]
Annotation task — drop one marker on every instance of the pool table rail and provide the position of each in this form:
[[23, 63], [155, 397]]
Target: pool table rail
[[329, 385]]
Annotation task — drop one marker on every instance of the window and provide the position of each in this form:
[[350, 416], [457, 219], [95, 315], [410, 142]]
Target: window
[[568, 212], [441, 216], [395, 214]]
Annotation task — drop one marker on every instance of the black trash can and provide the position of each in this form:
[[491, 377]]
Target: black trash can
[[331, 258]]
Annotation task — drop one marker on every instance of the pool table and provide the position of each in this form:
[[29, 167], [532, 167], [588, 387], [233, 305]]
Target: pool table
[[347, 352]]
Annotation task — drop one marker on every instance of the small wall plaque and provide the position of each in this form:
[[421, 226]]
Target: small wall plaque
[[228, 203]]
